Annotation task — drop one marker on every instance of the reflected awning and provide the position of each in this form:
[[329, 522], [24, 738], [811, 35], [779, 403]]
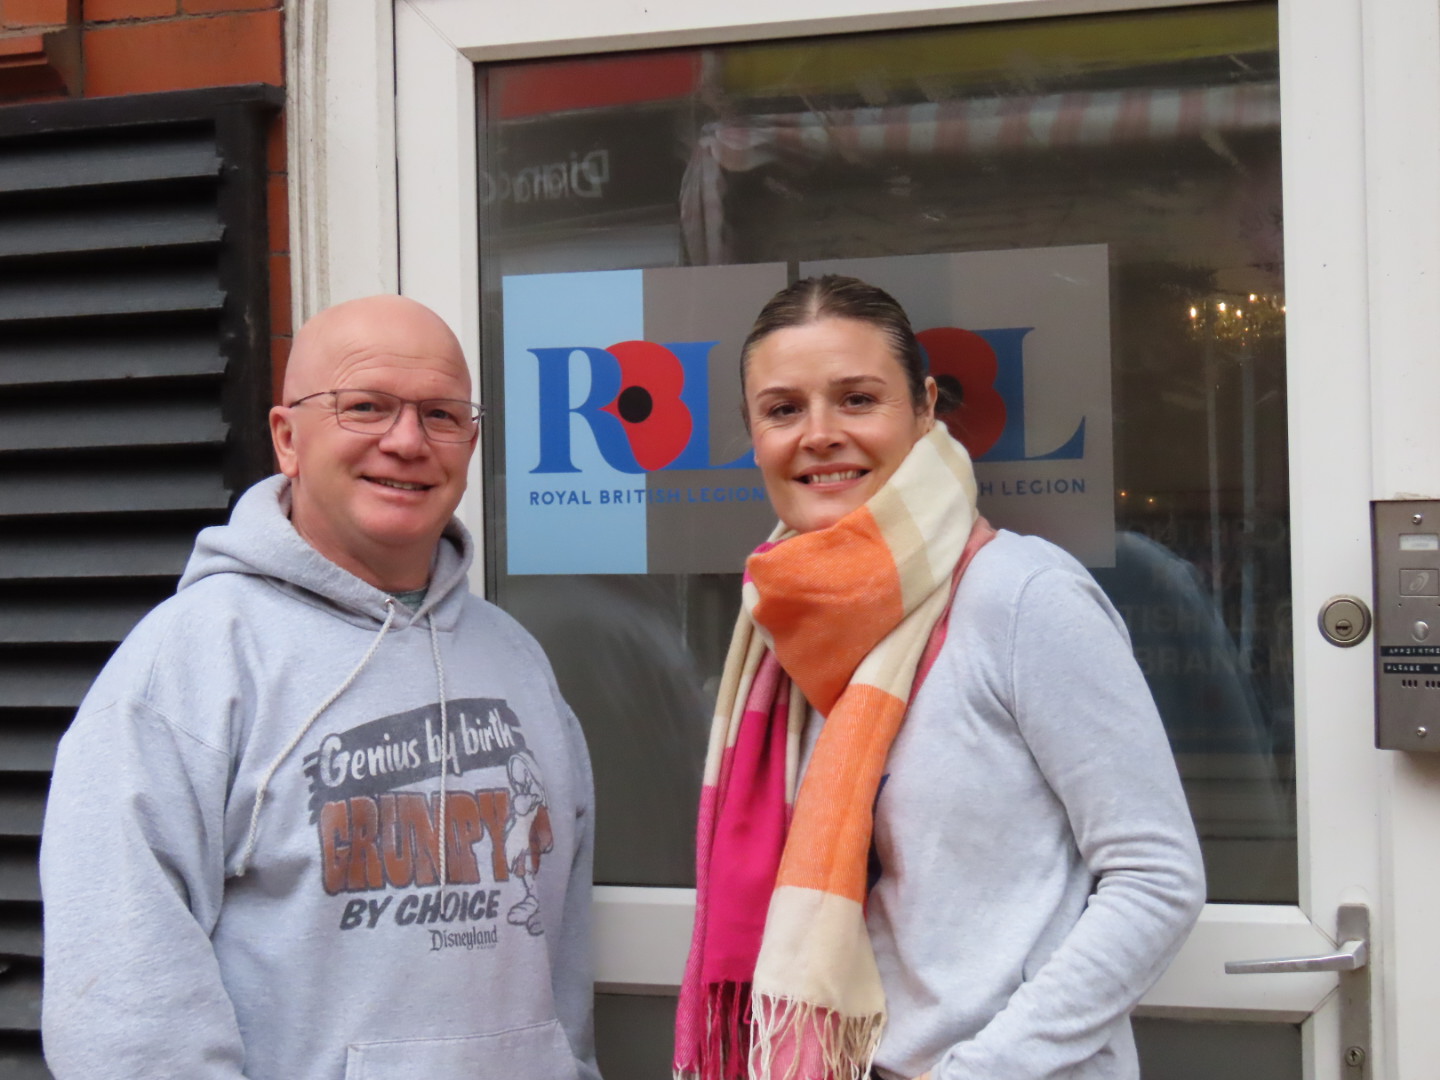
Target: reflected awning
[[984, 125], [971, 126]]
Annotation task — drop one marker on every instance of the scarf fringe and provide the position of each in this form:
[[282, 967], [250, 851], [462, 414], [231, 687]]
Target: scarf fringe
[[780, 1038], [799, 1040], [726, 1038]]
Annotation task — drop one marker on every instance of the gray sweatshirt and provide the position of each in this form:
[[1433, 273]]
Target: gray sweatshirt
[[189, 936], [1038, 865]]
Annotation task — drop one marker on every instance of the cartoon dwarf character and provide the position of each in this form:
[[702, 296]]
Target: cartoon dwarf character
[[527, 837]]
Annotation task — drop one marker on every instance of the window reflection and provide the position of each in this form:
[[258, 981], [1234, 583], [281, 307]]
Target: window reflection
[[1155, 134]]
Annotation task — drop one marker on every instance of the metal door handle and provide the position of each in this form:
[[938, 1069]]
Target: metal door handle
[[1351, 955], [1352, 960]]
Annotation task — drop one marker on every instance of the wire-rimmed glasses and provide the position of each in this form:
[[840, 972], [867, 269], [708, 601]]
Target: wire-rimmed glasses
[[375, 412]]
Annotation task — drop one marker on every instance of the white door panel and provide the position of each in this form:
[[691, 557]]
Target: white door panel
[[641, 938]]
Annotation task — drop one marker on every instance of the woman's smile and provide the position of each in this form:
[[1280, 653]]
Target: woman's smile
[[832, 477]]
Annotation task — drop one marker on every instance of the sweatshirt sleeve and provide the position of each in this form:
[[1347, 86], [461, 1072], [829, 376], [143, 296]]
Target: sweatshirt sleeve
[[132, 874], [572, 967], [1087, 716]]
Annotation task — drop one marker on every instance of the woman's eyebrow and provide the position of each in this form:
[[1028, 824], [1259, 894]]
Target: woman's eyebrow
[[843, 380], [770, 391]]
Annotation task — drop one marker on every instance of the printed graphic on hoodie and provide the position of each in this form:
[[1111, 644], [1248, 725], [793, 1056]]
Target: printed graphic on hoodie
[[378, 834]]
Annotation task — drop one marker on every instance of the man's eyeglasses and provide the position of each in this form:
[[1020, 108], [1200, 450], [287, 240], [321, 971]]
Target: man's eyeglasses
[[374, 412]]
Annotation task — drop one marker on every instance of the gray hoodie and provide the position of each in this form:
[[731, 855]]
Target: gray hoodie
[[196, 931]]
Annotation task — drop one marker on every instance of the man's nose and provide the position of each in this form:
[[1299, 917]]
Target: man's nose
[[406, 436]]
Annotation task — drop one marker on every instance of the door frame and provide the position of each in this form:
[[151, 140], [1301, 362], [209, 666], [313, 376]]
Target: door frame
[[382, 151]]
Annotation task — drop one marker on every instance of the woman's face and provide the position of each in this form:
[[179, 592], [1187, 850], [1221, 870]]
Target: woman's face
[[831, 417]]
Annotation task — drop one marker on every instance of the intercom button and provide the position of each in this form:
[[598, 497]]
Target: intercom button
[[1420, 582]]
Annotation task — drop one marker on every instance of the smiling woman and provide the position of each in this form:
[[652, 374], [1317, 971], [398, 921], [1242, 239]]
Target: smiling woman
[[941, 828]]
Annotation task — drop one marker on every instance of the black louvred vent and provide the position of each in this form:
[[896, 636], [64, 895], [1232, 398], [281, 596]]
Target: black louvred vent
[[134, 379]]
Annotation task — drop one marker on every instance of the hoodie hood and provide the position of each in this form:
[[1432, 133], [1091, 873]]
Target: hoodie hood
[[260, 541]]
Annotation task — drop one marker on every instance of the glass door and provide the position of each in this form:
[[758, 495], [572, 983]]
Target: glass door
[[1200, 161]]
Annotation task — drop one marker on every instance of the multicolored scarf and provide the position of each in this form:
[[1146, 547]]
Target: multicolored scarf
[[781, 981]]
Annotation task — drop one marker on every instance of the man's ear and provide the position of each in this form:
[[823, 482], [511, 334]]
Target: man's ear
[[282, 435]]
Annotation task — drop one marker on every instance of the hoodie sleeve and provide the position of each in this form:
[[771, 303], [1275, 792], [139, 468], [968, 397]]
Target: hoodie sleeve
[[572, 969], [132, 874], [1087, 716]]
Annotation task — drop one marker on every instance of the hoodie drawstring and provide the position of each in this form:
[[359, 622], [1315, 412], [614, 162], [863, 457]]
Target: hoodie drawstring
[[444, 743], [310, 722]]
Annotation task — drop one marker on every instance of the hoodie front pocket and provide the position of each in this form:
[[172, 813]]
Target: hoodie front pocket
[[537, 1052]]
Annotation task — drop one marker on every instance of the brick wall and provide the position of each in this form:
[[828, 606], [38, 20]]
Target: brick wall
[[56, 49]]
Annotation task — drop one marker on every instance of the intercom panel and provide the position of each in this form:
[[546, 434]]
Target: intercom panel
[[1406, 536]]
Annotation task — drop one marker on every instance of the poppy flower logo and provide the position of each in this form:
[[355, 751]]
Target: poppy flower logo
[[985, 371], [964, 364], [655, 419]]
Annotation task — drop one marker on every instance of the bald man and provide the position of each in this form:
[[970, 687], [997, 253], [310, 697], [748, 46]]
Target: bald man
[[324, 815]]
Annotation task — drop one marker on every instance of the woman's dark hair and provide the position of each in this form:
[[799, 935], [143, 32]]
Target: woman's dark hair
[[835, 296]]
